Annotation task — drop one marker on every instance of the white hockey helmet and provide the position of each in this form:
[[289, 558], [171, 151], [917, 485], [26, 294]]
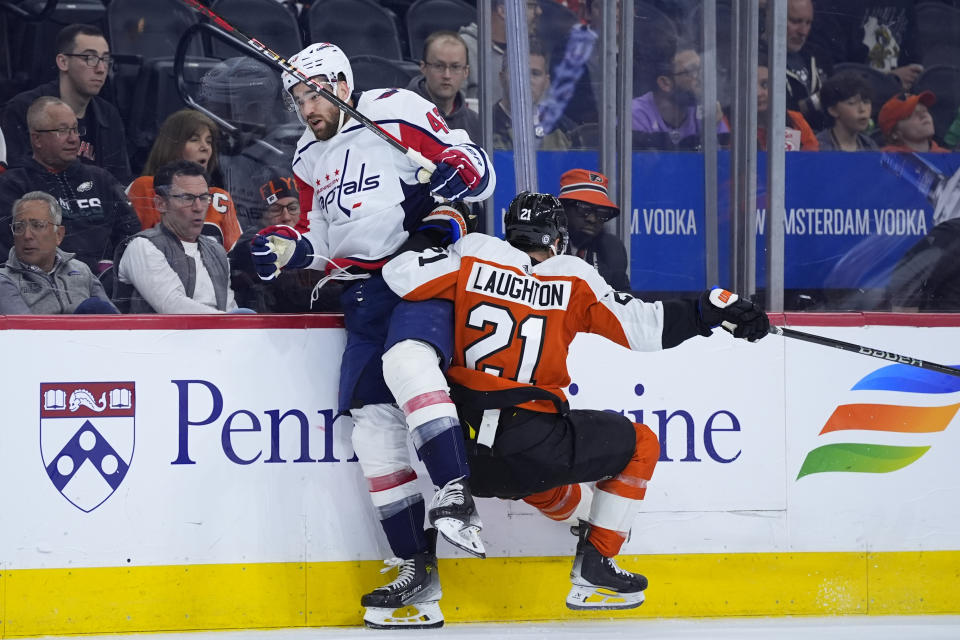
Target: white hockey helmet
[[319, 59]]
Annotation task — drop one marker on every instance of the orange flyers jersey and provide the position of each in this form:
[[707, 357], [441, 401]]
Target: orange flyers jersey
[[515, 320], [221, 220]]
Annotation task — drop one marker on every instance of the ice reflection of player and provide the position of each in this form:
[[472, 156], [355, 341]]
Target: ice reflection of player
[[927, 277]]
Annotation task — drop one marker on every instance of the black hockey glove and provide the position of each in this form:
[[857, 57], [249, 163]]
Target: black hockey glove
[[742, 318]]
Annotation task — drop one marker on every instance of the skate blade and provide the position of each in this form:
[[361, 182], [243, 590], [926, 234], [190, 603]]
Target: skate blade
[[466, 538], [423, 615], [584, 598]]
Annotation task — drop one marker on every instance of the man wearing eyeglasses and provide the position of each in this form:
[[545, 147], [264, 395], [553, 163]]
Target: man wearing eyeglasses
[[443, 72], [584, 197], [46, 279], [83, 60], [290, 291], [172, 267], [96, 211]]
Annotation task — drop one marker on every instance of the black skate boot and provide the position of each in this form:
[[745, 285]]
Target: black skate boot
[[598, 583], [412, 600], [454, 514]]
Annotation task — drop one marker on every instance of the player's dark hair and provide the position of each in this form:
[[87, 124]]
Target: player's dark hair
[[164, 176], [67, 35], [844, 86]]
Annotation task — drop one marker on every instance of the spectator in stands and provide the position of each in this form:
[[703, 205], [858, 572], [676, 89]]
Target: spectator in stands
[[96, 211], [83, 59], [172, 267], [907, 125], [667, 117], [498, 38], [192, 136], [799, 135], [847, 97], [443, 72], [806, 70], [878, 33], [293, 290], [587, 205], [557, 139], [46, 279]]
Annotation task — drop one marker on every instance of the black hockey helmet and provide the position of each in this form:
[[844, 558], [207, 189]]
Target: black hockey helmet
[[535, 221]]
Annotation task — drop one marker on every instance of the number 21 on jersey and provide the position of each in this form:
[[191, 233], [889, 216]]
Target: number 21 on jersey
[[495, 352]]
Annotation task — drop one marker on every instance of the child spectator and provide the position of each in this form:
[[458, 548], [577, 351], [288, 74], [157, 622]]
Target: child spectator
[[192, 136], [907, 125], [847, 98]]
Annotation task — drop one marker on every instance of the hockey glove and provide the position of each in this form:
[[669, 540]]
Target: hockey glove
[[447, 223], [461, 172], [277, 247], [742, 318]]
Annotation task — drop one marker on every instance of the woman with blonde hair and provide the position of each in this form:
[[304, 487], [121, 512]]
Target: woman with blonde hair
[[187, 135]]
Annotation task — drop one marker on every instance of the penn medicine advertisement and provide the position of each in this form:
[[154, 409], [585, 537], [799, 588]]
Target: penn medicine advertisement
[[169, 447]]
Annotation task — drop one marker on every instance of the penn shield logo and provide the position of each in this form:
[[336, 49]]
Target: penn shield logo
[[87, 438], [861, 423]]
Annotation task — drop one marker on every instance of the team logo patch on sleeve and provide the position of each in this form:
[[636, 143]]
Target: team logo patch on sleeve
[[86, 438]]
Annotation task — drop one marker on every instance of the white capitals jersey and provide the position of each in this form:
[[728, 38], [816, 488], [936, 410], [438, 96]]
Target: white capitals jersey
[[359, 196], [514, 320]]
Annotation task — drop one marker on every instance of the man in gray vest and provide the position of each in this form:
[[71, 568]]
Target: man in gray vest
[[172, 268], [39, 278]]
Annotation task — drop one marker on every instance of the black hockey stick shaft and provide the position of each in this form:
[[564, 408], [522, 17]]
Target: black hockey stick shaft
[[867, 351], [277, 61]]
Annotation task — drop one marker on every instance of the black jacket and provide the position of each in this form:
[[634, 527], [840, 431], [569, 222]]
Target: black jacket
[[96, 212], [106, 135], [609, 257]]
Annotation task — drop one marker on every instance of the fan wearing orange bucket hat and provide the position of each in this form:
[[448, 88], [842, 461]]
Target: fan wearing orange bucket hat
[[907, 125], [588, 206]]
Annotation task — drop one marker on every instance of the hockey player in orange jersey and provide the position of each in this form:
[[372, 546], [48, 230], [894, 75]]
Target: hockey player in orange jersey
[[518, 305]]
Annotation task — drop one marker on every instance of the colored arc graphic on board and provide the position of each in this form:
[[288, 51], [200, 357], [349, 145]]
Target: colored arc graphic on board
[[877, 458]]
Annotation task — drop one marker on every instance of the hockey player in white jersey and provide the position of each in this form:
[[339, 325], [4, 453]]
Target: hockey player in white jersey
[[361, 203], [518, 304]]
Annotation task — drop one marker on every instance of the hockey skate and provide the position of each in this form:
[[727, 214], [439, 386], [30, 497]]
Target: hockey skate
[[454, 514], [412, 600], [598, 583]]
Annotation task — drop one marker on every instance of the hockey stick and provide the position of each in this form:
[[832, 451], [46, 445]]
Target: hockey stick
[[867, 351], [274, 59]]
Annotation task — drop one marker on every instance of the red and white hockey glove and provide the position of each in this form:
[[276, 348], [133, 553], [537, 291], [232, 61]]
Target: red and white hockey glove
[[461, 172], [277, 247]]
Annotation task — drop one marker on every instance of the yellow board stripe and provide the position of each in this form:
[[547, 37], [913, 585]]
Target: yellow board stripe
[[270, 595]]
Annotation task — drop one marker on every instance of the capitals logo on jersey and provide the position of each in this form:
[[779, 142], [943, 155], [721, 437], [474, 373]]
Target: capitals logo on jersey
[[86, 438], [350, 181]]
